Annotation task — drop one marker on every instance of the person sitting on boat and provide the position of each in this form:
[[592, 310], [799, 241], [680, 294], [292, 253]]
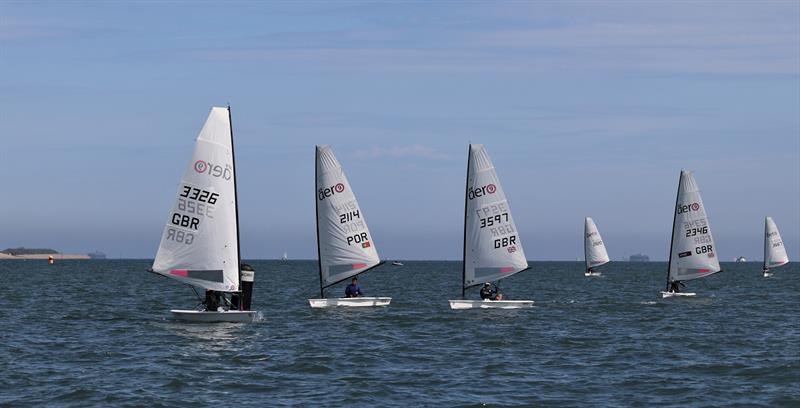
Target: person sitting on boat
[[212, 300], [353, 290], [490, 292]]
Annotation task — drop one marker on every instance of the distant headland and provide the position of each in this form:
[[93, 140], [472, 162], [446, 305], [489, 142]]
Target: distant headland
[[45, 253]]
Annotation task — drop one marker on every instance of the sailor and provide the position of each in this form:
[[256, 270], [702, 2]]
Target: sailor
[[490, 292], [212, 300], [675, 286], [353, 290]]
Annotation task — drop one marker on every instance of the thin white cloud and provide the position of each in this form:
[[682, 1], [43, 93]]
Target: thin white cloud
[[413, 151]]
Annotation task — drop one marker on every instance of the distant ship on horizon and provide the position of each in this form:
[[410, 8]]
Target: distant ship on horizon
[[639, 258]]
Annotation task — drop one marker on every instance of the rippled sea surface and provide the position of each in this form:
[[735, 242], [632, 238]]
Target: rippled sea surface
[[83, 333]]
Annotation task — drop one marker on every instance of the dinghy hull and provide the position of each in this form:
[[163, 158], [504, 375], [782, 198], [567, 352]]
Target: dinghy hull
[[350, 302], [767, 274], [490, 304], [592, 274], [678, 294], [227, 316]]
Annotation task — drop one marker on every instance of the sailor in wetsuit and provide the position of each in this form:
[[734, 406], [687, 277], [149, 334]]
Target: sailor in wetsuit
[[490, 292], [675, 286], [353, 290]]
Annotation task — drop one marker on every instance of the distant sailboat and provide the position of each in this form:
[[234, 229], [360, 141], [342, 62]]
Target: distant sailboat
[[692, 254], [344, 244], [200, 242], [492, 247], [397, 263], [593, 247], [774, 250], [285, 257]]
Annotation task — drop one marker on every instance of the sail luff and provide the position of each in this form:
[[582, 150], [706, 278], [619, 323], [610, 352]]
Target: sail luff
[[464, 242], [236, 200]]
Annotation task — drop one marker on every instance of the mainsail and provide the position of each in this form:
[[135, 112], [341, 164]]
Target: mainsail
[[774, 251], [692, 252], [344, 243], [492, 246], [200, 244], [593, 246]]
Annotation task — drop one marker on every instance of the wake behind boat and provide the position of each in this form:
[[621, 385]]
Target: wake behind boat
[[774, 250], [344, 244], [200, 242], [594, 249], [492, 248], [691, 252]]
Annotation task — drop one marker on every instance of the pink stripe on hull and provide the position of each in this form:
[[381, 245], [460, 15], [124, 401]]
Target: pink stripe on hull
[[179, 272]]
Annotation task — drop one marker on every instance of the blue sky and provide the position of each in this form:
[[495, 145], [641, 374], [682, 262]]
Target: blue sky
[[587, 109]]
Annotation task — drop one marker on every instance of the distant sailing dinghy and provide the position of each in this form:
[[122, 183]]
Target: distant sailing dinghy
[[344, 244], [692, 254], [200, 243], [593, 247], [492, 248], [774, 251]]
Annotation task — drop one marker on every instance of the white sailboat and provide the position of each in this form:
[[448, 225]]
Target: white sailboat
[[200, 242], [774, 250], [692, 254], [594, 249], [344, 244], [492, 247], [285, 257]]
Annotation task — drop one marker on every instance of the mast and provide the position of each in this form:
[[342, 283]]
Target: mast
[[236, 204], [766, 243], [464, 242], [316, 209], [586, 245], [672, 234]]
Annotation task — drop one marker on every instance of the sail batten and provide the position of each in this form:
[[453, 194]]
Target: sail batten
[[492, 245], [200, 238], [693, 252], [774, 251], [593, 246], [344, 243]]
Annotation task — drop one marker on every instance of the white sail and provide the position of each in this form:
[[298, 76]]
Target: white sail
[[593, 246], [492, 247], [345, 244], [693, 252], [199, 245], [774, 251]]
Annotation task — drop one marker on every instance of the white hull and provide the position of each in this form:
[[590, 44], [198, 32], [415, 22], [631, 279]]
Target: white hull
[[592, 274], [397, 263], [350, 302], [227, 316], [679, 294], [490, 304], [767, 274]]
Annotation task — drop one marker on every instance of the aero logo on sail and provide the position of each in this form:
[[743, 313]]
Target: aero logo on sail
[[214, 170], [482, 191], [688, 207], [330, 191]]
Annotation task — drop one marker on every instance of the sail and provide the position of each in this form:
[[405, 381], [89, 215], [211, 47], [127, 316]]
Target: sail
[[199, 245], [593, 246], [693, 252], [774, 251], [345, 244], [492, 247]]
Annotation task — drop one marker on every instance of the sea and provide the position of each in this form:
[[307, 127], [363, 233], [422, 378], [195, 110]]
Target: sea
[[99, 333]]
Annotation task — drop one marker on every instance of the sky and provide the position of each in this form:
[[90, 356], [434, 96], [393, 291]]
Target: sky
[[586, 108]]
